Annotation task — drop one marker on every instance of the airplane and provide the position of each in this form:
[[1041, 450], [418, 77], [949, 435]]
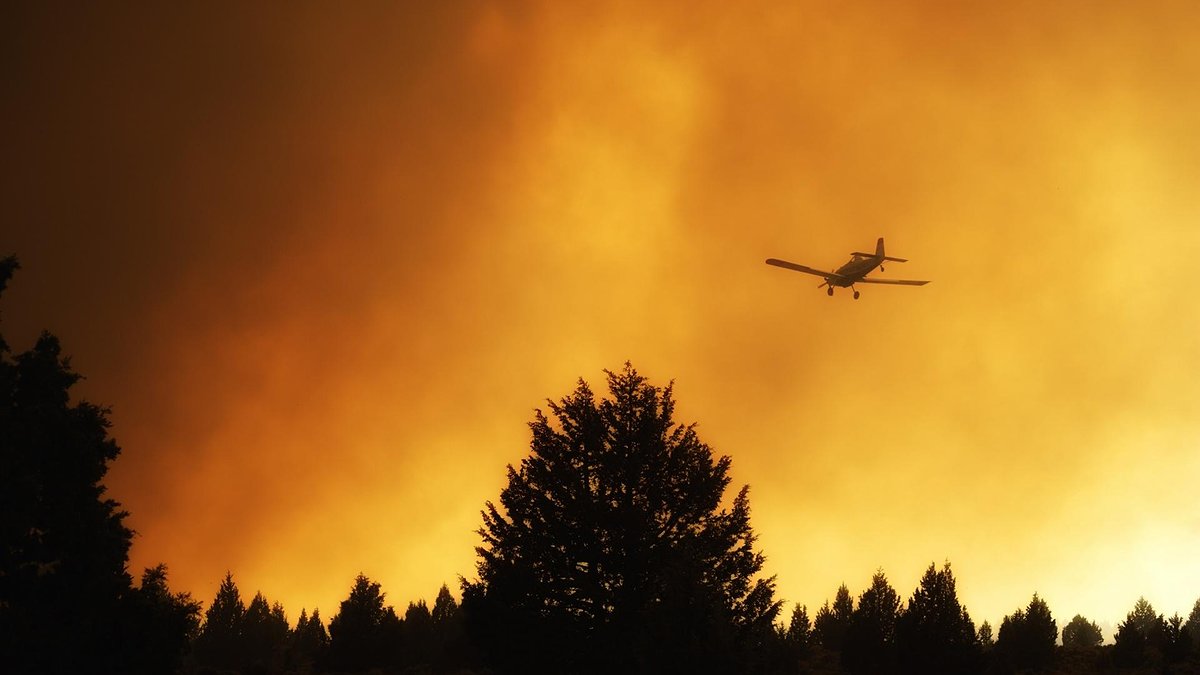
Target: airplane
[[853, 272]]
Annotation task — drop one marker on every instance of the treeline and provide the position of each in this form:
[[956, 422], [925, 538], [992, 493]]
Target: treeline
[[364, 635], [876, 632], [613, 548], [934, 633]]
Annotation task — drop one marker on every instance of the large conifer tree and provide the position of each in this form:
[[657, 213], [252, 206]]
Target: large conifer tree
[[610, 551], [935, 633], [870, 642], [67, 602]]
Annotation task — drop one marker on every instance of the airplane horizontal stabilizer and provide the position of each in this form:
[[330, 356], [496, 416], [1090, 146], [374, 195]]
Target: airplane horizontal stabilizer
[[898, 282], [886, 257]]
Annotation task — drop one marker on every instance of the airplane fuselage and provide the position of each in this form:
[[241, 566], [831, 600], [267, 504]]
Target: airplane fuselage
[[853, 271]]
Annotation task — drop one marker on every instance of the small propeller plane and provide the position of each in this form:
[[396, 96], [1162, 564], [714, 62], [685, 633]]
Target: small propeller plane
[[853, 272]]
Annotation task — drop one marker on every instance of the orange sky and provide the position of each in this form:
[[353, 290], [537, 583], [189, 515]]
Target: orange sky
[[324, 267]]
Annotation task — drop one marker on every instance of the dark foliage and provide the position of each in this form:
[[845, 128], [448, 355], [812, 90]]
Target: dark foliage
[[870, 641], [1141, 637], [67, 603], [219, 644], [985, 638], [935, 633], [307, 644], [832, 621], [1027, 638], [610, 551], [1191, 628], [1080, 633], [365, 633], [158, 624]]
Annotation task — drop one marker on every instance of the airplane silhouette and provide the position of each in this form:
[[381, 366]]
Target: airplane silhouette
[[853, 272]]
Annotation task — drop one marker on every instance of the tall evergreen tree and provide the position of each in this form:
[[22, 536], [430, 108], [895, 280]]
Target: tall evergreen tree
[[264, 633], [1140, 637], [67, 603], [220, 644], [1027, 637], [832, 621], [308, 644], [418, 634], [160, 624], [449, 643], [870, 642], [1176, 643], [1192, 627], [935, 633], [358, 635], [984, 636], [610, 551], [799, 630]]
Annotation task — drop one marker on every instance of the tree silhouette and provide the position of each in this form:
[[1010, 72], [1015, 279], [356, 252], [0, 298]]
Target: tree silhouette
[[264, 633], [309, 643], [1080, 633], [220, 644], [870, 642], [419, 647], [1176, 643], [832, 621], [1192, 627], [449, 642], [799, 630], [935, 633], [364, 633], [160, 623], [1027, 637], [67, 603], [610, 551], [984, 636], [1139, 638]]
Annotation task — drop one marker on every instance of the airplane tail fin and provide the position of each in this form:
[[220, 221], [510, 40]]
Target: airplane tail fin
[[879, 253]]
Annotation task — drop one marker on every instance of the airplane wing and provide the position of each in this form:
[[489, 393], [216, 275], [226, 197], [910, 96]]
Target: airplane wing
[[900, 282], [801, 268]]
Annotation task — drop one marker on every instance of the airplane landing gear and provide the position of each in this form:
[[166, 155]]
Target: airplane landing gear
[[830, 291], [855, 295]]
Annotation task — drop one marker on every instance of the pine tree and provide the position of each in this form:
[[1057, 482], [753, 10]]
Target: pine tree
[[67, 603], [1028, 636], [611, 549], [418, 634], [832, 621], [799, 630], [984, 636], [1140, 637], [448, 639], [220, 643], [308, 643], [1192, 627], [358, 637], [160, 622], [65, 545], [264, 632], [870, 640], [935, 633]]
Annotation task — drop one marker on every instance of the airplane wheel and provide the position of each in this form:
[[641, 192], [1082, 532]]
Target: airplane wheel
[[855, 295], [830, 291]]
